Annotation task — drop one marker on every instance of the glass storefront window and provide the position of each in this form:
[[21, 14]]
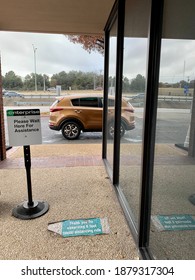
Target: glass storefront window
[[173, 214], [134, 79], [111, 92], [167, 232]]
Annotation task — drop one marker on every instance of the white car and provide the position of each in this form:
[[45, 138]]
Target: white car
[[51, 89]]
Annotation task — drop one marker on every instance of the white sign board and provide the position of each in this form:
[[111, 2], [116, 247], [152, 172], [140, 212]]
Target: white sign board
[[24, 127]]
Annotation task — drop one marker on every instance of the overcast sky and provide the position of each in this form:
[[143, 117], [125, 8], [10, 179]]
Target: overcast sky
[[55, 53]]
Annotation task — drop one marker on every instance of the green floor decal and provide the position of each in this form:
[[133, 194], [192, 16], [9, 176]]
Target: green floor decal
[[79, 227]]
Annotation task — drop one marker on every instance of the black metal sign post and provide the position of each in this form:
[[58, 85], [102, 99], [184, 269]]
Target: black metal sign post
[[29, 209]]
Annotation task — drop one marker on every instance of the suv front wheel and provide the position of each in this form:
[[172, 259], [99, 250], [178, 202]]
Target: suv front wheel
[[71, 130]]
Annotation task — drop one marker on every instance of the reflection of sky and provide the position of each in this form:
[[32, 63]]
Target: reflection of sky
[[135, 51], [177, 59], [112, 57]]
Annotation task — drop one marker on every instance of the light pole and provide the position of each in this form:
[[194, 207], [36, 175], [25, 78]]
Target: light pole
[[44, 82], [34, 49]]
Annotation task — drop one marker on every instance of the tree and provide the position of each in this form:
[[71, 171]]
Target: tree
[[89, 42], [40, 81], [29, 82], [74, 80], [46, 81], [12, 81], [60, 79], [84, 80]]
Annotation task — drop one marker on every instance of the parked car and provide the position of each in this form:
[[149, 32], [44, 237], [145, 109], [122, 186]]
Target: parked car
[[51, 89], [13, 94], [75, 113]]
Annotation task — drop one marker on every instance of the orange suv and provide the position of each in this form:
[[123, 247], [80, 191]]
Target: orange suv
[[75, 113]]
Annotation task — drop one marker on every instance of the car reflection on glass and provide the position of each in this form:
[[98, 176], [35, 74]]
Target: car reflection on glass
[[75, 113], [138, 96]]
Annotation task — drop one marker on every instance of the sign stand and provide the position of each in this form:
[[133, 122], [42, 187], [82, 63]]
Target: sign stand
[[29, 209]]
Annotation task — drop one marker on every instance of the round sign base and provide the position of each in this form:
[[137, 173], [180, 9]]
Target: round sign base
[[25, 212]]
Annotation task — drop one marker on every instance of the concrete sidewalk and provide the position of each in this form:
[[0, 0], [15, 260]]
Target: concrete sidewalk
[[73, 180]]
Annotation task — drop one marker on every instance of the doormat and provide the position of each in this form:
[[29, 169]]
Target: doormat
[[174, 222], [72, 228]]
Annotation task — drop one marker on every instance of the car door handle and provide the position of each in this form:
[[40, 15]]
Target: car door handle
[[78, 111]]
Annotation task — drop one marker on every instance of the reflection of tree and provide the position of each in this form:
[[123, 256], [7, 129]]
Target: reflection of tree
[[181, 84], [138, 84], [126, 85]]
